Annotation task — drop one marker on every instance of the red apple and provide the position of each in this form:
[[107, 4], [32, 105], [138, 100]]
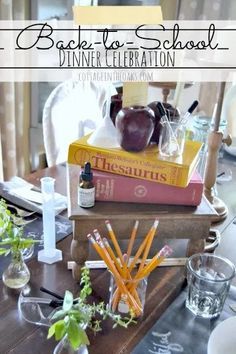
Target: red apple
[[135, 126]]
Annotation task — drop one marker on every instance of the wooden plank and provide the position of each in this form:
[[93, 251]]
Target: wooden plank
[[163, 286], [168, 262], [18, 336]]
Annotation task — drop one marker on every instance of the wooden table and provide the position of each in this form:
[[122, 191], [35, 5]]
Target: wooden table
[[19, 337]]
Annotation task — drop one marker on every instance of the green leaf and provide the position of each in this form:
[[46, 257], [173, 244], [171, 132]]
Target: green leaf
[[59, 314], [12, 235], [51, 330], [3, 251], [68, 301], [27, 243], [83, 336], [72, 319], [60, 329], [85, 283], [74, 334], [77, 314], [7, 241]]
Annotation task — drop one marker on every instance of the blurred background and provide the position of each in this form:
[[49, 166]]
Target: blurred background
[[21, 104]]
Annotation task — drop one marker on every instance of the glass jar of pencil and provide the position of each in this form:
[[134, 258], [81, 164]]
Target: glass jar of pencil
[[134, 301], [128, 274]]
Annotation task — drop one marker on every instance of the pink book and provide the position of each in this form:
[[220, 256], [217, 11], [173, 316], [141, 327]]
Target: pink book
[[116, 188]]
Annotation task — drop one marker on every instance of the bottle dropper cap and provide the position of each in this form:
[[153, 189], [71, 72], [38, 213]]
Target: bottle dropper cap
[[161, 109], [86, 174]]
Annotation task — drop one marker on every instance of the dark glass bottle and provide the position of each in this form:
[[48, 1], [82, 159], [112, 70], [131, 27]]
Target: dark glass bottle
[[86, 190]]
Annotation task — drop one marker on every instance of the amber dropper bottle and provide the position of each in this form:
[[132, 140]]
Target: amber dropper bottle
[[86, 190]]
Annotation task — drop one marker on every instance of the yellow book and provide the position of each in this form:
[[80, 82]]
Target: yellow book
[[146, 164]]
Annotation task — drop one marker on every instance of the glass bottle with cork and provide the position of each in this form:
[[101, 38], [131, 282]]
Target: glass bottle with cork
[[86, 190]]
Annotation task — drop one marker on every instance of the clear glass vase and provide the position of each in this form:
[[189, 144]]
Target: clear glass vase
[[64, 347], [118, 301], [17, 274]]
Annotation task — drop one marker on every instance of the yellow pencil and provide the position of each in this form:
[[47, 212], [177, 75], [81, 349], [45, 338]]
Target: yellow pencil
[[114, 241], [155, 261], [133, 304], [117, 294], [112, 255], [148, 246], [105, 256], [117, 247], [131, 240], [139, 251]]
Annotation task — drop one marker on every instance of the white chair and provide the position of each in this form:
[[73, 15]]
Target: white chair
[[72, 110]]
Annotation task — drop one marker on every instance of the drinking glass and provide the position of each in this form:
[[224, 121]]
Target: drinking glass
[[172, 139], [209, 277]]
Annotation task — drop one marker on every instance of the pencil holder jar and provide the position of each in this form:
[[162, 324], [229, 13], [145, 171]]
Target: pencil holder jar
[[129, 297]]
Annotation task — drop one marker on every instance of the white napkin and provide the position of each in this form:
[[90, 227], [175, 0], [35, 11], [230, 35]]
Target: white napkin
[[28, 192]]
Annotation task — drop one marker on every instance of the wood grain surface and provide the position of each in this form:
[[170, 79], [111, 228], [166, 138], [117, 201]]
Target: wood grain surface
[[20, 337]]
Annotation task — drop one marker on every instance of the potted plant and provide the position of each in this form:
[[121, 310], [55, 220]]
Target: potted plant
[[76, 315], [13, 242]]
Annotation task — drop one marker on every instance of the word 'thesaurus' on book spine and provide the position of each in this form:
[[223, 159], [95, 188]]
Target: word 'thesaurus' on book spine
[[146, 165]]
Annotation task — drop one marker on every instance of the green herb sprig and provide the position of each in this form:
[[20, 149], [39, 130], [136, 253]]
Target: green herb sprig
[[77, 315], [11, 236]]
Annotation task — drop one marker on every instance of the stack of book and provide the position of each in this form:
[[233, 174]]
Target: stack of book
[[142, 177]]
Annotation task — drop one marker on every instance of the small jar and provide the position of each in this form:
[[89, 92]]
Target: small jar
[[199, 127], [172, 114], [64, 347], [86, 189], [171, 140], [17, 274], [118, 301]]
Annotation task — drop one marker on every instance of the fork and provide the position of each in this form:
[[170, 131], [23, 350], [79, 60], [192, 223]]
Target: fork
[[20, 212]]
